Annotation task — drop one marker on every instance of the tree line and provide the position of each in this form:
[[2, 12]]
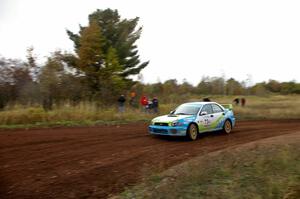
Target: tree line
[[172, 91], [101, 68], [104, 59], [56, 83]]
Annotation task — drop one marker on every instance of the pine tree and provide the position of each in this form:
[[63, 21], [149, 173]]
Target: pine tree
[[119, 34], [106, 52]]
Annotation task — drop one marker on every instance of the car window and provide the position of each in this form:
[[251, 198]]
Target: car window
[[216, 108], [207, 108], [187, 110]]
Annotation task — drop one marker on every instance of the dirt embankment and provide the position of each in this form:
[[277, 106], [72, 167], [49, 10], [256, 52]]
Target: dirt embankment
[[95, 162]]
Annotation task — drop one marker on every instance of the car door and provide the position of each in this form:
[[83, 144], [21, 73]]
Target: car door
[[205, 118], [217, 118]]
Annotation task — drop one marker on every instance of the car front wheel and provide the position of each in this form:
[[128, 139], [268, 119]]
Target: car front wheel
[[192, 132], [227, 128]]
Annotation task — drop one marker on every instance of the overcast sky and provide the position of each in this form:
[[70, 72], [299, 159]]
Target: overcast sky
[[181, 38]]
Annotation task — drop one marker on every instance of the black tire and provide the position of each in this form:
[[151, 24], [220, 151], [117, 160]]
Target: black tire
[[227, 128], [192, 132]]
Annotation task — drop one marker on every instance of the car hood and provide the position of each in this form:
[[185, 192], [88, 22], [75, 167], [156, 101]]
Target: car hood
[[172, 118]]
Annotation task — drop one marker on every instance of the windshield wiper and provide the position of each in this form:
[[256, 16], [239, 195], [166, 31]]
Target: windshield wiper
[[182, 114]]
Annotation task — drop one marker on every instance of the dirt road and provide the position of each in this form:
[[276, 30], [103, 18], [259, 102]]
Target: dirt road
[[95, 162]]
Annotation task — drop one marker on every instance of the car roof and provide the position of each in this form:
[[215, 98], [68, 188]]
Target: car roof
[[199, 103]]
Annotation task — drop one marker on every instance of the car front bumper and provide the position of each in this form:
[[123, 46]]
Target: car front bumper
[[167, 130]]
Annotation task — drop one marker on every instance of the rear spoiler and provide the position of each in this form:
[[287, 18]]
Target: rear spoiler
[[227, 106]]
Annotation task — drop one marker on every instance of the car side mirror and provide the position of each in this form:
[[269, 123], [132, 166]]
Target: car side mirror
[[203, 113], [171, 112]]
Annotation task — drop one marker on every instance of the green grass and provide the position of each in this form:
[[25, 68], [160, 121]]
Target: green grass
[[269, 107], [264, 170]]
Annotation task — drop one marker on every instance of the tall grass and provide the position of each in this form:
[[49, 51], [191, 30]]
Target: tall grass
[[271, 107], [83, 112]]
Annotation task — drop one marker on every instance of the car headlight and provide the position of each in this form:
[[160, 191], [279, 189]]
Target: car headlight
[[176, 123]]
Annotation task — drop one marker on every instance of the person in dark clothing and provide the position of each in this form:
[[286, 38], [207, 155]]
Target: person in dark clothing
[[121, 102], [206, 99], [155, 105], [236, 101], [243, 101]]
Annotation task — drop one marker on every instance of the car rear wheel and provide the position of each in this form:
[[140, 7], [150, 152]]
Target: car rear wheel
[[227, 128], [192, 132]]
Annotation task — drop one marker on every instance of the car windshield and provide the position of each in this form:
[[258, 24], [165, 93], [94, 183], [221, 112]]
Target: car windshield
[[187, 110]]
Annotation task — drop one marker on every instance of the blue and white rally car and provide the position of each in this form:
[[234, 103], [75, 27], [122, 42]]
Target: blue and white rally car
[[192, 118]]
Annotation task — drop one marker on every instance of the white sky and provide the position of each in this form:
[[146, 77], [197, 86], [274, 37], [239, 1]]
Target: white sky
[[182, 39]]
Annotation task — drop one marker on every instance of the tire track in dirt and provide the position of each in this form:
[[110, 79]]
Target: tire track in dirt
[[94, 162]]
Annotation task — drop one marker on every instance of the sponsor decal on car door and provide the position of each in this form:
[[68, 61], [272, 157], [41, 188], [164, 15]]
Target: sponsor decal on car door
[[206, 120], [217, 118]]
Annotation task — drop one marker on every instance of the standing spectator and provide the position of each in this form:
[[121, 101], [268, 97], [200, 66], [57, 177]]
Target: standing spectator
[[121, 102], [150, 106], [144, 103], [206, 99], [132, 101], [155, 105], [236, 101], [243, 102]]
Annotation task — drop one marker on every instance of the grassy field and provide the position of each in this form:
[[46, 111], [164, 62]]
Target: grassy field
[[266, 169], [269, 107]]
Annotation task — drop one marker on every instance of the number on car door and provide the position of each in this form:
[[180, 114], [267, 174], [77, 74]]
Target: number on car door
[[206, 120]]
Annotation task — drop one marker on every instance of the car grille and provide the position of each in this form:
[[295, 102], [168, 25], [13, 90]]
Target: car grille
[[161, 124], [155, 130]]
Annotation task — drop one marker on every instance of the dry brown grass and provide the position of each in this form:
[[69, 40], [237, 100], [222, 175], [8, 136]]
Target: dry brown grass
[[269, 107]]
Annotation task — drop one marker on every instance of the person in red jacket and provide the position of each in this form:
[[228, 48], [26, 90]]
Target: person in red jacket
[[144, 102]]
